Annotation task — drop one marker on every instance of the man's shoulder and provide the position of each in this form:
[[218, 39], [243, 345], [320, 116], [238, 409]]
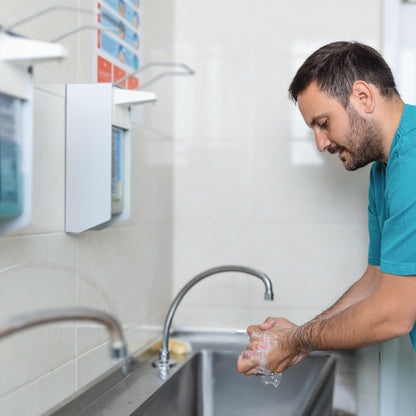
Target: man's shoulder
[[404, 142], [407, 127]]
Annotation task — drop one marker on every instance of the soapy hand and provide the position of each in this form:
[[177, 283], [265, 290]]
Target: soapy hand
[[270, 349]]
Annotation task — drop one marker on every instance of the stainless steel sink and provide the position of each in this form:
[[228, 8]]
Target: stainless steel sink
[[207, 383]]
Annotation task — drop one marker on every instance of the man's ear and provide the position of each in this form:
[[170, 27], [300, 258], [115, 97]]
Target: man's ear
[[362, 96]]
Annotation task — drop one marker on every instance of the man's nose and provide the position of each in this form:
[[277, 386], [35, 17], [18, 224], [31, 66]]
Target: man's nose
[[322, 141]]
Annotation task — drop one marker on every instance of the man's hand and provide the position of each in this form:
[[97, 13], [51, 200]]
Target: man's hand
[[270, 349]]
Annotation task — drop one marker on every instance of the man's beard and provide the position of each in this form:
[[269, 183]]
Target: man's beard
[[364, 141]]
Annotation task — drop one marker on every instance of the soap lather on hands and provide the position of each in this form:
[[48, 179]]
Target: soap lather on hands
[[270, 348]]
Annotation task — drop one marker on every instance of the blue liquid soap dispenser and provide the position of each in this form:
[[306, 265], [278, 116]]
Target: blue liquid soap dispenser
[[117, 168], [18, 56], [10, 167]]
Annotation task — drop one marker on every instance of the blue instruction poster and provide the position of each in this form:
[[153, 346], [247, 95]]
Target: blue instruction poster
[[117, 49]]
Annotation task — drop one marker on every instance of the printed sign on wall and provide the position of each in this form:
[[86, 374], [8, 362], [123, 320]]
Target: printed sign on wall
[[118, 49]]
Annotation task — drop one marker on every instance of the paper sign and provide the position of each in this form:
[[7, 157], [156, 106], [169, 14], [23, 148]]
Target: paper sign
[[117, 48]]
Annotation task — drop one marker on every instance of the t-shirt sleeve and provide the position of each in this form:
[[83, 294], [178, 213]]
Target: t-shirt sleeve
[[398, 244], [374, 249]]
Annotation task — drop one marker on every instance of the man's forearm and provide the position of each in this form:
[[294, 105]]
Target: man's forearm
[[379, 307], [386, 313], [338, 331], [310, 335]]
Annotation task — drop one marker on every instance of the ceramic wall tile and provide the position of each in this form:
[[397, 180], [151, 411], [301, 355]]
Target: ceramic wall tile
[[59, 71], [213, 29], [121, 271], [237, 98], [213, 181], [237, 317], [325, 266], [33, 353], [232, 181], [159, 115], [151, 179], [303, 192], [93, 364], [90, 336], [87, 37], [216, 102], [48, 199], [273, 114], [117, 270], [156, 120], [271, 249], [367, 405], [36, 272], [156, 28], [60, 19], [31, 399], [212, 317], [34, 285], [230, 289], [367, 380], [49, 163], [103, 255], [281, 26], [51, 21], [156, 46], [200, 246], [345, 389], [223, 173], [97, 361]]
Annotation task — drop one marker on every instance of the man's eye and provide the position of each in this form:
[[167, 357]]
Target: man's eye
[[324, 125]]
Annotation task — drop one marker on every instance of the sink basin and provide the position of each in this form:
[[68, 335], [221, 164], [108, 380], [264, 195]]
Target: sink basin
[[207, 383]]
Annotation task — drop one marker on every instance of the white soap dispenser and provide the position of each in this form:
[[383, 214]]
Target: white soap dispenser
[[18, 55], [98, 156]]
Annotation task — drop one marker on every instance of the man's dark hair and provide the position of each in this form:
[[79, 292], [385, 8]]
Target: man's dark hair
[[336, 66]]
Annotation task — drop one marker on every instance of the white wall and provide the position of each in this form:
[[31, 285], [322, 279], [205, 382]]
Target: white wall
[[117, 269], [241, 183], [250, 188]]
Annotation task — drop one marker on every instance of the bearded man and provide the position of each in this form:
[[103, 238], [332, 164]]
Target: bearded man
[[346, 94]]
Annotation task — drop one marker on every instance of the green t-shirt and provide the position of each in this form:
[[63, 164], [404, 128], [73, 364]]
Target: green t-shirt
[[392, 205]]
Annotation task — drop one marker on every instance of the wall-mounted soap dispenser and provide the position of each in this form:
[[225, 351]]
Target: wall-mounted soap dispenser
[[17, 57], [10, 158], [98, 154]]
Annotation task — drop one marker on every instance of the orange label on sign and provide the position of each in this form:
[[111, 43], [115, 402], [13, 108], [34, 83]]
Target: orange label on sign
[[132, 83], [118, 74], [103, 70]]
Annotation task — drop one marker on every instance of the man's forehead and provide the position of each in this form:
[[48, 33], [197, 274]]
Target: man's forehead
[[311, 91], [313, 104]]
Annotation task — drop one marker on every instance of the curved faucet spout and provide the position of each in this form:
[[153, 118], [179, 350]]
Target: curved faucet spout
[[164, 351], [21, 322]]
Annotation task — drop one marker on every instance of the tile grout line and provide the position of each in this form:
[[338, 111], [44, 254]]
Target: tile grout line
[[76, 287]]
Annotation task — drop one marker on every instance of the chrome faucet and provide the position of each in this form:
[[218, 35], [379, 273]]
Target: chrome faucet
[[118, 347], [164, 360]]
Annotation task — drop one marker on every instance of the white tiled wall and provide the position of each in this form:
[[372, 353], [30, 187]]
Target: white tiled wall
[[250, 188], [240, 183], [117, 269]]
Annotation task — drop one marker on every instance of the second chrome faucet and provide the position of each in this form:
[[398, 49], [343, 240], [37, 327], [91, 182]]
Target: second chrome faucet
[[118, 345], [164, 360]]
